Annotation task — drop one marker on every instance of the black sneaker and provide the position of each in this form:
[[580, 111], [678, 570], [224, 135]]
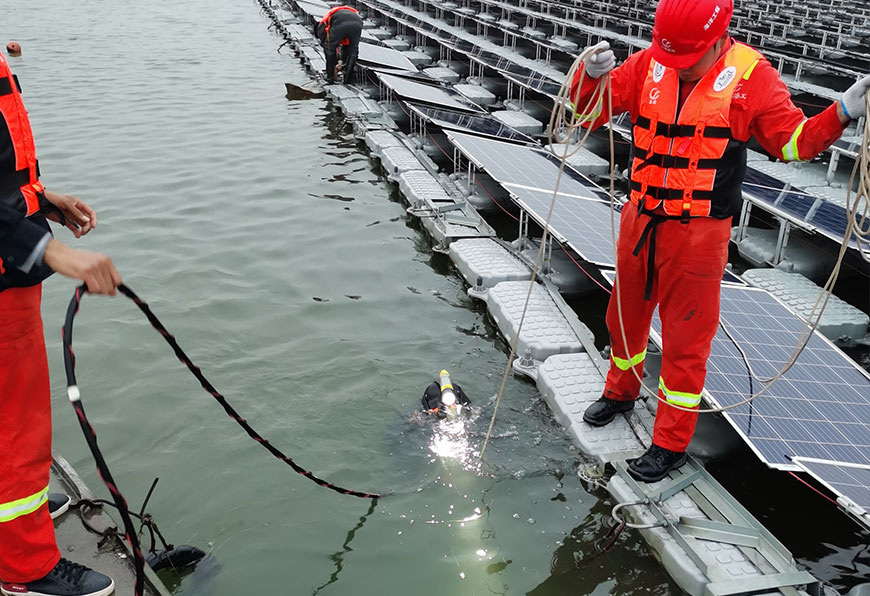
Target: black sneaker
[[58, 504], [605, 409], [655, 464], [66, 579]]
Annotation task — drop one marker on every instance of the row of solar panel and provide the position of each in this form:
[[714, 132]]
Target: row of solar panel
[[815, 417], [820, 408]]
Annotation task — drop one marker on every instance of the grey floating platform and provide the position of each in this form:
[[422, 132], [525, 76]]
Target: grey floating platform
[[378, 140], [759, 248], [420, 185], [418, 58], [711, 546], [583, 160], [572, 382], [399, 45], [486, 260], [398, 160], [520, 121], [841, 322], [439, 73], [545, 332], [476, 94]]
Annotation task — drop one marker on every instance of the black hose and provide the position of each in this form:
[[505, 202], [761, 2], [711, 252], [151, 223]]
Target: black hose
[[91, 435]]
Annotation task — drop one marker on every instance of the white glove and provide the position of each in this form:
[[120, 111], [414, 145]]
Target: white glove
[[853, 98], [601, 63]]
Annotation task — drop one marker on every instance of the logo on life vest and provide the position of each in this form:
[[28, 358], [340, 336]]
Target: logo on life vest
[[654, 95], [666, 46], [724, 79], [658, 72]]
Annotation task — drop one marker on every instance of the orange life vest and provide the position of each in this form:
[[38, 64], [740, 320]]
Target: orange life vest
[[679, 151], [19, 173], [327, 21]]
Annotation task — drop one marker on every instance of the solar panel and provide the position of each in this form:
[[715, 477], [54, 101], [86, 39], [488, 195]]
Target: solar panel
[[382, 56], [820, 408], [480, 124], [799, 207], [314, 9], [584, 225], [519, 167], [428, 93], [847, 480]]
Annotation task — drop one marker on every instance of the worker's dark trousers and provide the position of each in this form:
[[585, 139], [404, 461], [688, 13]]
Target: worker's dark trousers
[[690, 260], [349, 32], [27, 546]]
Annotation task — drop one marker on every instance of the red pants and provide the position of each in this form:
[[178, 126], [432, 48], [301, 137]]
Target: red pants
[[27, 547], [690, 259]]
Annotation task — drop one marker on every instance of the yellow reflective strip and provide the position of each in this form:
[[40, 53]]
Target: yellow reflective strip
[[14, 509], [790, 149], [751, 68], [596, 111], [623, 364], [680, 398]]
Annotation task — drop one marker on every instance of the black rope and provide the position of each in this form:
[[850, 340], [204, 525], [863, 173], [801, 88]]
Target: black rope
[[91, 435]]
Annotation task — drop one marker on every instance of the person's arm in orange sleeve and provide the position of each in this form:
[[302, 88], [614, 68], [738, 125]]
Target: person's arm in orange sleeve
[[781, 127], [626, 81]]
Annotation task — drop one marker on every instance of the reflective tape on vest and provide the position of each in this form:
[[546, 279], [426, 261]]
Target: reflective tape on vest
[[680, 398], [623, 364], [15, 509]]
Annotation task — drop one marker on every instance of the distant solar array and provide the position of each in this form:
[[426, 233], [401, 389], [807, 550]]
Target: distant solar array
[[820, 408], [430, 94], [481, 124]]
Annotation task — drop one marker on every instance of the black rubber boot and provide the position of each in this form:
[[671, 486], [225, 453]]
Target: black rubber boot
[[66, 579], [605, 409], [655, 464]]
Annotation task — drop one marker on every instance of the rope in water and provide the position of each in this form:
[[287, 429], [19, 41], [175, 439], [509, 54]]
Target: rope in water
[[91, 435]]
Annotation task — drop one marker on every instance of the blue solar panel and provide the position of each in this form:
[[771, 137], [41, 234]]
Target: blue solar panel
[[830, 218], [520, 167], [800, 207], [820, 408], [583, 225], [848, 480]]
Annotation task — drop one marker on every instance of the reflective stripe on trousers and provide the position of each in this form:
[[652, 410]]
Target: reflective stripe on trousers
[[15, 509]]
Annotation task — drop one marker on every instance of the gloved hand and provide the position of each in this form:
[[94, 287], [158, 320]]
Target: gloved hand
[[601, 63], [853, 99]]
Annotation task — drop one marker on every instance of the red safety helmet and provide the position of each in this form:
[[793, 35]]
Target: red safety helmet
[[685, 29]]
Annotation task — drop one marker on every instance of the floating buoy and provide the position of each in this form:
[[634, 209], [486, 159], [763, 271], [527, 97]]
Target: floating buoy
[[13, 48]]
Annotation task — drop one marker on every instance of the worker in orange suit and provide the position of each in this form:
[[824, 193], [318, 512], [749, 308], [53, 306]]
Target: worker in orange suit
[[339, 32], [30, 562], [696, 97]]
